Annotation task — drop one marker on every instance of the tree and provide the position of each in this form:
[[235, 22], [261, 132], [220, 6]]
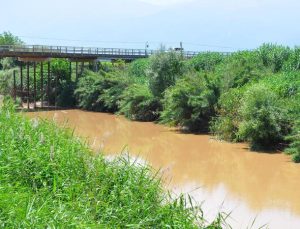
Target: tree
[[164, 69], [7, 38]]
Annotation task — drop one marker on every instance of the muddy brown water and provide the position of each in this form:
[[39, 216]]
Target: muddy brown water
[[222, 177]]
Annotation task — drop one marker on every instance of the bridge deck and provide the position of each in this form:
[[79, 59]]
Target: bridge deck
[[38, 51]]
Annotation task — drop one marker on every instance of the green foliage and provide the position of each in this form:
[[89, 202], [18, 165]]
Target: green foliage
[[264, 115], [285, 85], [226, 124], [263, 119], [138, 103], [139, 68], [294, 139], [49, 178], [7, 63], [63, 84], [119, 65], [239, 69], [6, 82], [61, 68], [7, 38], [273, 56], [189, 103], [164, 69], [206, 61], [293, 62], [65, 93], [101, 92]]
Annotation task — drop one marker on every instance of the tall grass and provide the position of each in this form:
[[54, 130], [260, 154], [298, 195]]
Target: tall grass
[[49, 178]]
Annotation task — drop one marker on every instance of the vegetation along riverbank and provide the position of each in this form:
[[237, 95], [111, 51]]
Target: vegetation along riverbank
[[50, 178], [251, 96]]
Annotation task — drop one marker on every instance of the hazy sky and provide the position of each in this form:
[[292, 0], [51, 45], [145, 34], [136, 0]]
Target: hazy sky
[[223, 25]]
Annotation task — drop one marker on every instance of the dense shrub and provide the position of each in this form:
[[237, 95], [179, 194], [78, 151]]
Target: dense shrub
[[285, 85], [62, 93], [293, 62], [88, 91], [61, 69], [189, 103], [6, 82], [164, 69], [226, 124], [139, 68], [7, 63], [263, 119], [65, 94], [101, 92], [239, 69], [273, 56], [138, 103], [7, 38], [206, 61], [273, 109], [294, 139]]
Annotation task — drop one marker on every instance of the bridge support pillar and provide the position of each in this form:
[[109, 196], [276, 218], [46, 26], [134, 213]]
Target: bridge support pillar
[[15, 87], [70, 69], [28, 86], [55, 90], [34, 85], [48, 84], [21, 75], [76, 77], [95, 66], [82, 68], [42, 85]]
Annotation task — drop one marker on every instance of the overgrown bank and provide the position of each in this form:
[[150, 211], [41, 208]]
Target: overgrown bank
[[251, 96], [49, 178]]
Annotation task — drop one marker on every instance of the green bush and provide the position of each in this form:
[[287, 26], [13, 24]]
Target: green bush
[[206, 61], [274, 56], [226, 124], [285, 85], [189, 103], [293, 62], [239, 69], [6, 82], [263, 119], [165, 68], [294, 139], [7, 63], [62, 93], [7, 38], [101, 92], [138, 103], [139, 68]]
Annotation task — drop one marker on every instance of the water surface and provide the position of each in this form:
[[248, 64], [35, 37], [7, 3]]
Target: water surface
[[222, 176]]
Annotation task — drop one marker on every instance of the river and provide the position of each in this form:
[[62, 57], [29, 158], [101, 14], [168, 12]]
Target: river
[[221, 176]]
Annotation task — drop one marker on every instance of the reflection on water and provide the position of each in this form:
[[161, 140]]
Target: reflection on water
[[228, 177]]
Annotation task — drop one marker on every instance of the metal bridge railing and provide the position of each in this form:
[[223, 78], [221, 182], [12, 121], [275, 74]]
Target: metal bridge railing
[[69, 50]]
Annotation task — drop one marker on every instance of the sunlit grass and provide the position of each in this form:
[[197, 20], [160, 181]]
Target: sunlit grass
[[50, 178]]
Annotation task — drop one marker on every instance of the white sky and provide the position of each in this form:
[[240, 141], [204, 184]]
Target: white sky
[[223, 25]]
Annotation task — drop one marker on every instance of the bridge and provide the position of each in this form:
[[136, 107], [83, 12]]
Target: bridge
[[33, 54], [81, 53], [39, 51]]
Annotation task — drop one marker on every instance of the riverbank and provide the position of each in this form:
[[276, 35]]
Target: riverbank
[[50, 178], [219, 176]]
